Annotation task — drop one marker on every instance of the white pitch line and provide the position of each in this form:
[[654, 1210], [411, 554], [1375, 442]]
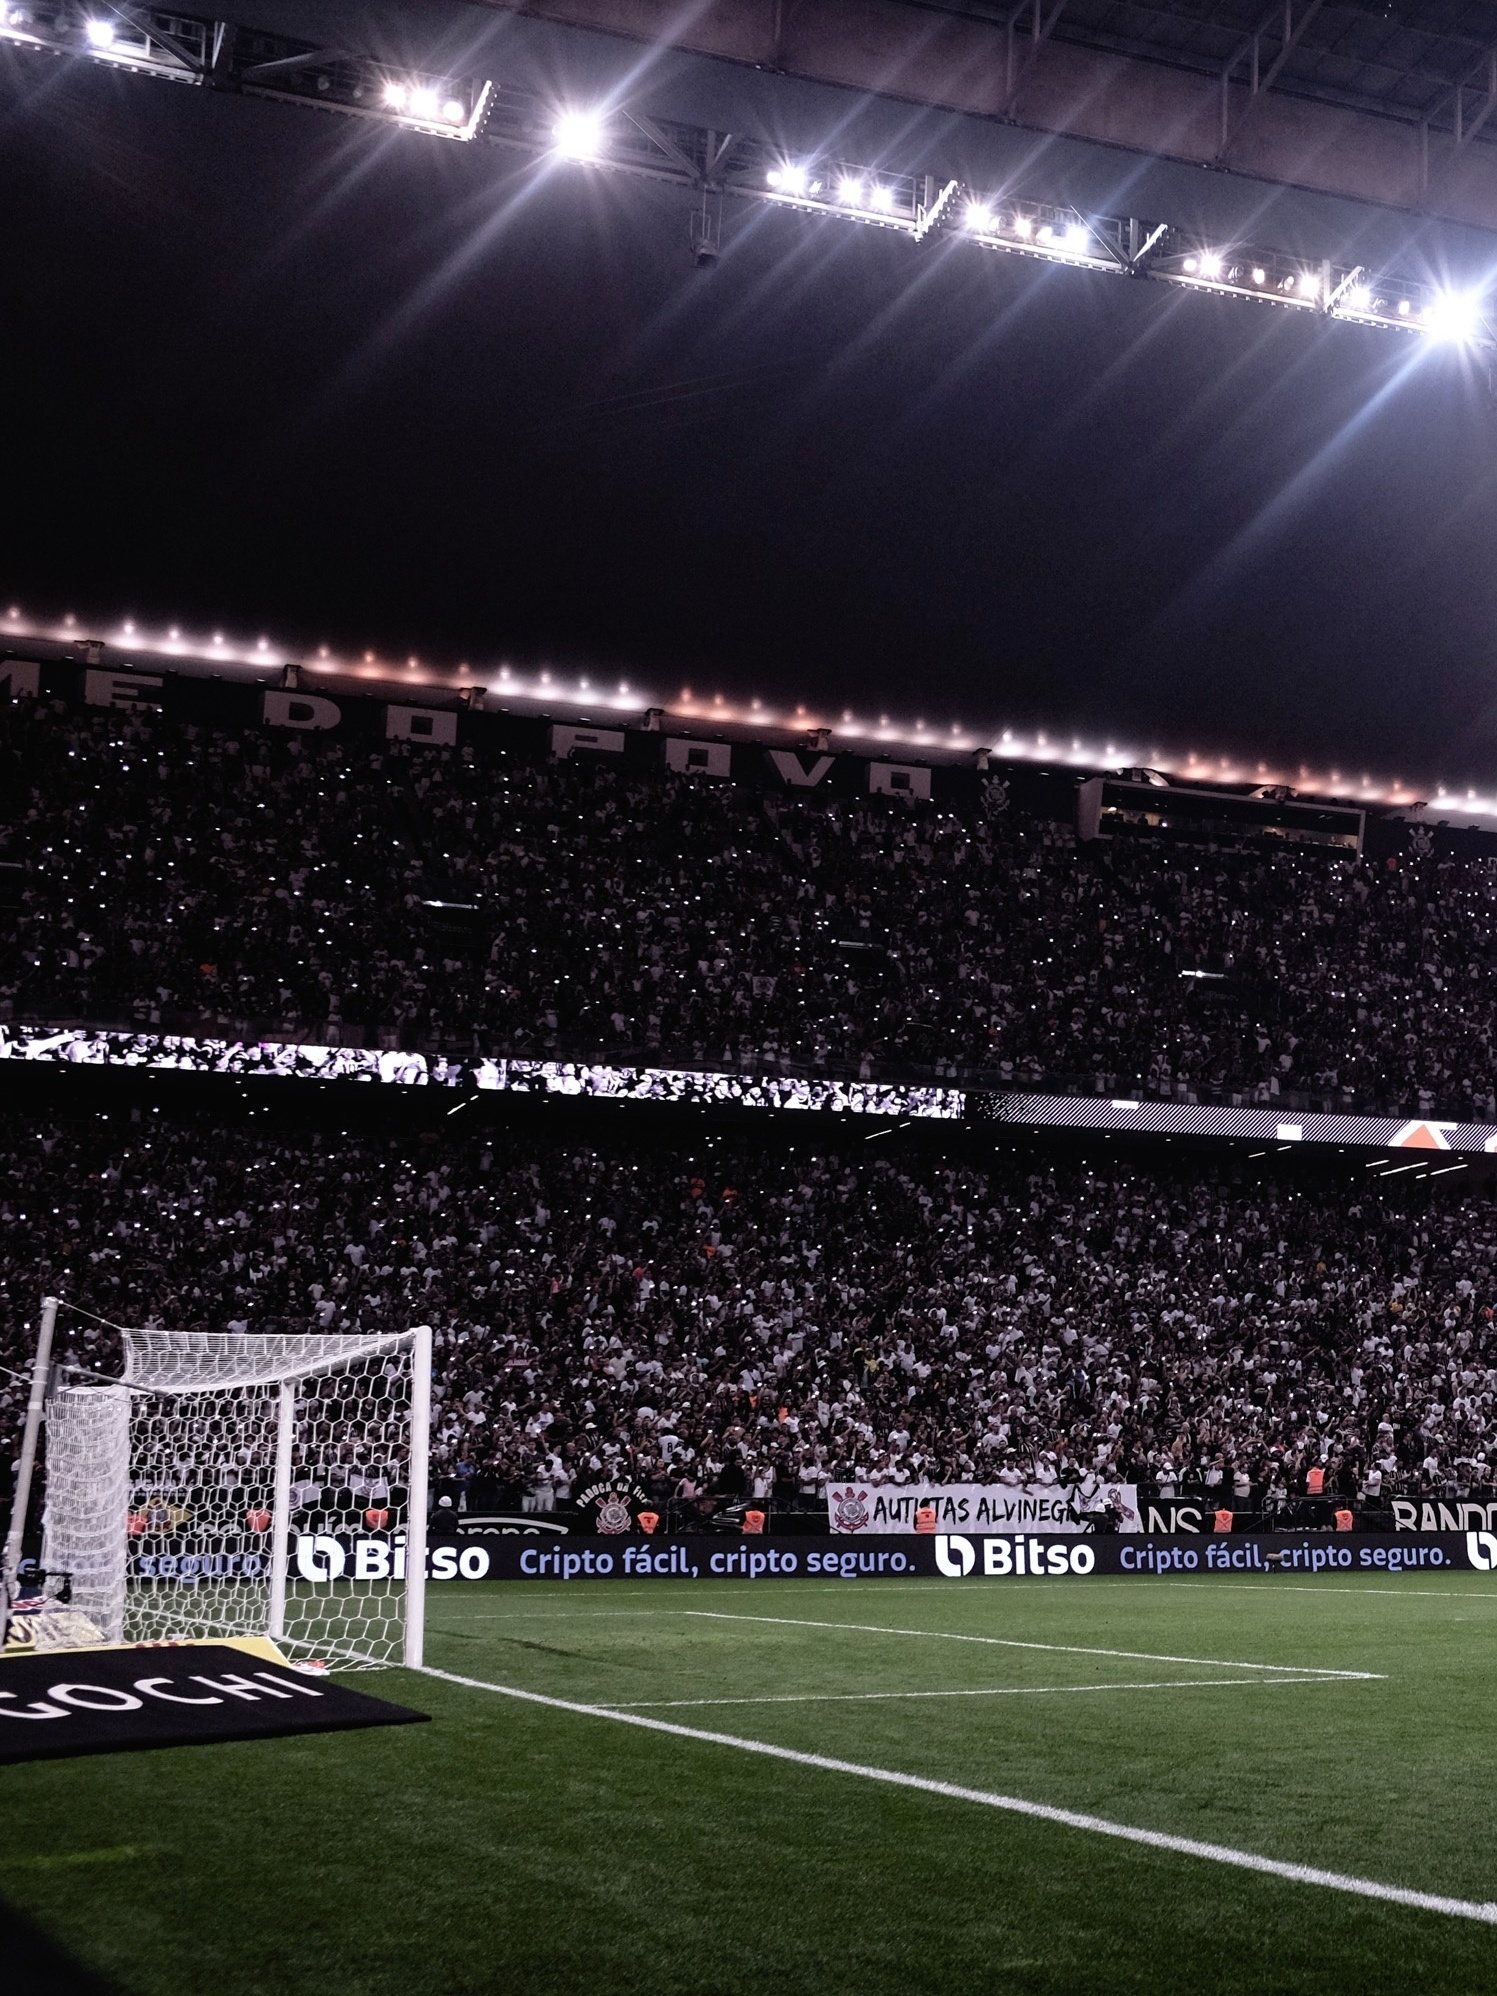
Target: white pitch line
[[1243, 1860], [982, 1691], [1308, 1587], [1012, 1642]]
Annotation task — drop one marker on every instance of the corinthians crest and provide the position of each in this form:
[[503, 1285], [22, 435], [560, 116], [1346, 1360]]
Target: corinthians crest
[[849, 1510], [612, 1504]]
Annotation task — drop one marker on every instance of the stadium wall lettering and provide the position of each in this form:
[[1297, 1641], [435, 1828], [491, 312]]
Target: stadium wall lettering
[[197, 692], [235, 706], [1045, 1555]]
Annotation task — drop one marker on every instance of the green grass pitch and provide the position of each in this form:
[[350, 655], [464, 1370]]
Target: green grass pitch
[[521, 1848]]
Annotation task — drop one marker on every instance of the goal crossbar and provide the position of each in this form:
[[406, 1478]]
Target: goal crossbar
[[179, 1361]]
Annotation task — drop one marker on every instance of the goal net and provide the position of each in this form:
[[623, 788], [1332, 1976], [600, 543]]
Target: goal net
[[236, 1485]]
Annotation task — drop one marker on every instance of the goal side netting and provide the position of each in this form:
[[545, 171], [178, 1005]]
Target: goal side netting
[[235, 1485]]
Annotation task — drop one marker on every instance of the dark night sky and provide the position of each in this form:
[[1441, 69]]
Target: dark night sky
[[275, 370]]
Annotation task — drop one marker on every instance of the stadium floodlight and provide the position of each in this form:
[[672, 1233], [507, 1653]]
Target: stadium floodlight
[[881, 197], [979, 217], [850, 191], [432, 104], [99, 33], [1308, 284], [789, 178], [1450, 316], [1077, 238], [579, 135]]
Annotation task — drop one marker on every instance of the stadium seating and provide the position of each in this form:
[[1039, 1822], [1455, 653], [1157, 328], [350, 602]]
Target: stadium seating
[[181, 877], [735, 1322]]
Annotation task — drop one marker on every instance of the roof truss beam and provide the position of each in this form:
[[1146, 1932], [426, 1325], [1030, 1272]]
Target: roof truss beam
[[1285, 23]]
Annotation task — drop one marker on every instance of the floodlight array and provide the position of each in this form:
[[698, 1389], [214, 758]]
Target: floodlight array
[[177, 47], [1337, 290], [922, 206], [1038, 229], [843, 188], [265, 65], [713, 165], [186, 48]]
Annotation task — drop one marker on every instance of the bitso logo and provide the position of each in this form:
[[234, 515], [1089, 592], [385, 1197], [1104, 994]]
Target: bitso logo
[[1481, 1550], [1037, 1559], [850, 1510]]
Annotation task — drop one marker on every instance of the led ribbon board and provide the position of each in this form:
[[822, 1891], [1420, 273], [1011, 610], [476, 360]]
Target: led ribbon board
[[1417, 1144]]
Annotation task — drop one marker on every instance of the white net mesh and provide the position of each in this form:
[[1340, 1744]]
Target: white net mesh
[[180, 1492], [88, 1491]]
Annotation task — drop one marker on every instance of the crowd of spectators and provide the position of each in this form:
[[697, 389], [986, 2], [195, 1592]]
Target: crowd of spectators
[[734, 1320], [163, 873]]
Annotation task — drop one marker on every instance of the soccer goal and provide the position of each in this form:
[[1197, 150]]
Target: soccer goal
[[233, 1485]]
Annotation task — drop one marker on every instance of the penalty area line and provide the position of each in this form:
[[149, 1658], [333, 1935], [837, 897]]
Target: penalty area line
[[1012, 1642], [1484, 1911], [980, 1691]]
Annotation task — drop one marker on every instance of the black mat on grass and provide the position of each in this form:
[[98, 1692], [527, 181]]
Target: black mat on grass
[[114, 1701]]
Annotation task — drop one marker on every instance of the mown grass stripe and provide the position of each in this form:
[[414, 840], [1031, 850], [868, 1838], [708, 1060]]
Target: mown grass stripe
[[1484, 1911]]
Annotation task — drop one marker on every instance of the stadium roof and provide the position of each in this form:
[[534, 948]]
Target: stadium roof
[[468, 396], [1402, 60], [1390, 102]]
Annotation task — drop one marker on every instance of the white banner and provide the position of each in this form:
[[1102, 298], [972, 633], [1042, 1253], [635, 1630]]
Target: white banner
[[980, 1507]]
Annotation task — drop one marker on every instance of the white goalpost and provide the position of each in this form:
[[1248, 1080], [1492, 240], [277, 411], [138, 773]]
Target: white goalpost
[[235, 1485]]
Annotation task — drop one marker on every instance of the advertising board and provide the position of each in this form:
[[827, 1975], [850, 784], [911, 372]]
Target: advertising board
[[1035, 1556], [1043, 1555]]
